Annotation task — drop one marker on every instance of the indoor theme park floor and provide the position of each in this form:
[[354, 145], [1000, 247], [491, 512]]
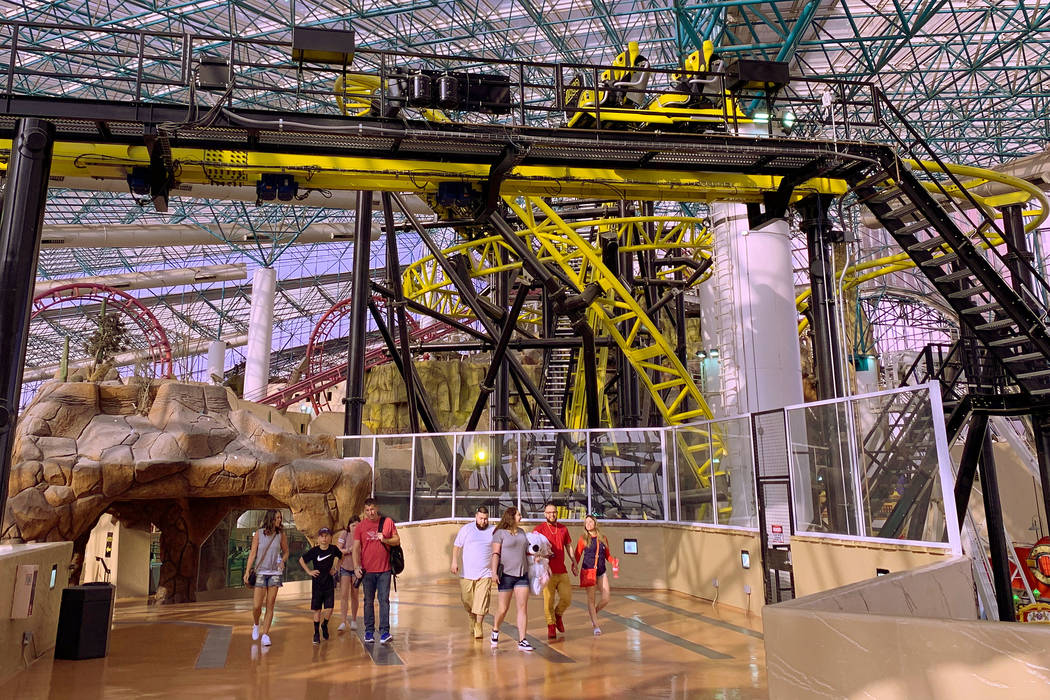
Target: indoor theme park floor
[[653, 645]]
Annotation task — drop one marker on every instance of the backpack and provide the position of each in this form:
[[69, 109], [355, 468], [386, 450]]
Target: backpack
[[397, 555]]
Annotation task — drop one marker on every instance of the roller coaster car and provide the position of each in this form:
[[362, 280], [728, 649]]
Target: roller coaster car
[[697, 100], [427, 91]]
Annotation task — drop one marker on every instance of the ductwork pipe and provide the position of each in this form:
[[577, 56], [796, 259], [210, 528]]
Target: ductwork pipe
[[154, 278], [131, 357]]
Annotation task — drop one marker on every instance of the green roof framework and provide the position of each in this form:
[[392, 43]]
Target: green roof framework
[[973, 77]]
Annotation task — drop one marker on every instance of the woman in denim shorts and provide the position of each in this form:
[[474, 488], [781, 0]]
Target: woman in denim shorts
[[510, 550], [270, 545]]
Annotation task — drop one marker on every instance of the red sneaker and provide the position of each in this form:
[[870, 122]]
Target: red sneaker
[[551, 632], [559, 624]]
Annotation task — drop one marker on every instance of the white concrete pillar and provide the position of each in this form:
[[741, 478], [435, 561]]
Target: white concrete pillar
[[260, 334], [754, 322], [754, 315], [216, 361]]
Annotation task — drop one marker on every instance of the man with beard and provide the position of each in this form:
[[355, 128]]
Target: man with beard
[[474, 543]]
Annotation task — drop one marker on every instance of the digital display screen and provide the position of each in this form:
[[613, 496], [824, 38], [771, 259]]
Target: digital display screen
[[630, 546], [745, 558]]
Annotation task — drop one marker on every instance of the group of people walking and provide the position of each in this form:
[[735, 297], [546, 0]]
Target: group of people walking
[[360, 559], [499, 555]]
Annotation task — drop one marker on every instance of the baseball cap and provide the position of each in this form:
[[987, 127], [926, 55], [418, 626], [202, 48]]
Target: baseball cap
[[324, 531]]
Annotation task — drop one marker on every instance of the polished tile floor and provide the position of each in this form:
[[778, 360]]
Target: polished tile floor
[[655, 645]]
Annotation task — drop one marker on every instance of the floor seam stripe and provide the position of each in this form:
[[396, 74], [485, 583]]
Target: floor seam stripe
[[660, 634], [697, 616]]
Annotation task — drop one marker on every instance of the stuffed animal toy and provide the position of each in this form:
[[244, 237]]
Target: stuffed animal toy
[[539, 570]]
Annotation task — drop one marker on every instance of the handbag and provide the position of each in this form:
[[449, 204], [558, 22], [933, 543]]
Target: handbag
[[588, 577], [252, 577]]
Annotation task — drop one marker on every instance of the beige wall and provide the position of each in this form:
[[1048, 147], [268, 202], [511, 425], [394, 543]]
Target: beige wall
[[681, 558], [128, 561], [887, 638], [43, 623], [698, 555], [820, 563]]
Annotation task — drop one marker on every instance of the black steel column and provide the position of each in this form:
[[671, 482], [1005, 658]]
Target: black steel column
[[993, 512], [499, 409], [1041, 428], [396, 312], [20, 225], [1018, 261], [831, 383], [1018, 258], [359, 296]]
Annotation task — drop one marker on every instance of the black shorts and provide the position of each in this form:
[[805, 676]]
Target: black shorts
[[322, 598]]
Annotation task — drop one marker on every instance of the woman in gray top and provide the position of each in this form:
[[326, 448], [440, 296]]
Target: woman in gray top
[[268, 555], [510, 571]]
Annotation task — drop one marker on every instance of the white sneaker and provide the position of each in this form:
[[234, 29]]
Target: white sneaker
[[342, 626], [353, 624], [266, 640], [255, 633], [597, 631]]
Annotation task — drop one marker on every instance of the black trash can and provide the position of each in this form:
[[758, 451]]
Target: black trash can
[[84, 621]]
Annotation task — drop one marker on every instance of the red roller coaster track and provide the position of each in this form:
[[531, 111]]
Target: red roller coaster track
[[121, 302]]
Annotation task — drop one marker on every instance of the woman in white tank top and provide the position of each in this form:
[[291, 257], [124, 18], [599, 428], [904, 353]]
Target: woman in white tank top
[[268, 555], [348, 592]]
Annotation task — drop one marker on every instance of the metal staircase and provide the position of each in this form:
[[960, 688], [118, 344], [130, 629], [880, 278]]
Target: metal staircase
[[890, 445], [1007, 315], [545, 453]]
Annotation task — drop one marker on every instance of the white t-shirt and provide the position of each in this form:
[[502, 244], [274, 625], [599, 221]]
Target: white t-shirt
[[477, 550]]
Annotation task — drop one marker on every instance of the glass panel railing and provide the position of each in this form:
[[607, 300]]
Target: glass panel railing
[[554, 468], [900, 483], [823, 461], [487, 469], [434, 468], [861, 467], [627, 474], [694, 448]]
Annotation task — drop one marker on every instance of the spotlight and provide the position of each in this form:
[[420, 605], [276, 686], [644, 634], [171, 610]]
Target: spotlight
[[787, 121], [480, 455]]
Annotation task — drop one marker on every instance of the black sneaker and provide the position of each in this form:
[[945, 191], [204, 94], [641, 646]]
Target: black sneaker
[[495, 638], [524, 645], [317, 638], [324, 630]]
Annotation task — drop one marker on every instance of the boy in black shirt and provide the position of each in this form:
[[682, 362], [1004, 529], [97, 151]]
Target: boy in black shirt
[[325, 560]]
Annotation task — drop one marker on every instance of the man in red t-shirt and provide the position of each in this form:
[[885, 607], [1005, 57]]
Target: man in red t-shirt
[[372, 565], [558, 592]]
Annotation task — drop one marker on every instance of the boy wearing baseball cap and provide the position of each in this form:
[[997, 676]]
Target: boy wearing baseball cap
[[325, 559]]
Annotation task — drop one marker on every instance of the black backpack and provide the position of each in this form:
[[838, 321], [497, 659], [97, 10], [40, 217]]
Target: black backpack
[[397, 555]]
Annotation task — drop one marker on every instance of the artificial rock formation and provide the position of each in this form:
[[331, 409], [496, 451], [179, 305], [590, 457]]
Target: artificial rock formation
[[172, 454]]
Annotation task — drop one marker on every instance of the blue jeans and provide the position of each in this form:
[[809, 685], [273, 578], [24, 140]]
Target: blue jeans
[[377, 583]]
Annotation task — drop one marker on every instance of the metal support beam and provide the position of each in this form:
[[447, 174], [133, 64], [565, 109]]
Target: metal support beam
[[360, 295], [831, 383], [20, 224], [465, 289], [396, 312], [968, 463], [1041, 427], [993, 511], [429, 419], [488, 384], [501, 407]]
